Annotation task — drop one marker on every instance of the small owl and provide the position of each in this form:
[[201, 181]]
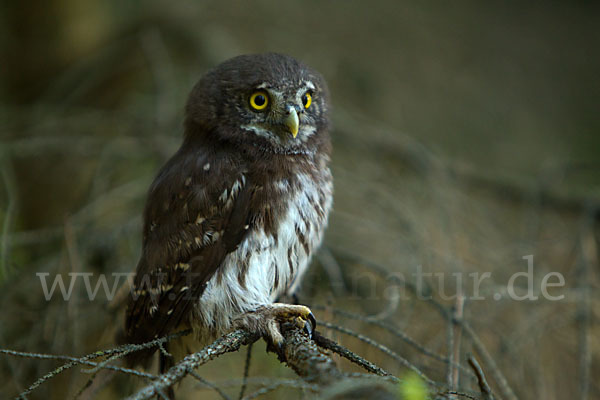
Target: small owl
[[232, 219]]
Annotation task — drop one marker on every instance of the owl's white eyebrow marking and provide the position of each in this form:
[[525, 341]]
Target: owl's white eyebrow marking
[[269, 88], [307, 85], [258, 130]]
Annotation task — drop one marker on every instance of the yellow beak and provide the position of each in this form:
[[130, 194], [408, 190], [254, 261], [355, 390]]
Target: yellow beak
[[292, 121]]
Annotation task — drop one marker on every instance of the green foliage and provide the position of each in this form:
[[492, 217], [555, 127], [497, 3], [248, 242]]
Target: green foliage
[[412, 387]]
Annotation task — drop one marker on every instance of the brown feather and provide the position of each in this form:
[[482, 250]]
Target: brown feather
[[220, 187]]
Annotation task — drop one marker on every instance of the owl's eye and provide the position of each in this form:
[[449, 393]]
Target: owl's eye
[[259, 100], [306, 99]]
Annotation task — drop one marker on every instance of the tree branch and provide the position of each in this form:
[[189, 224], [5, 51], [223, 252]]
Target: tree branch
[[225, 344], [299, 352]]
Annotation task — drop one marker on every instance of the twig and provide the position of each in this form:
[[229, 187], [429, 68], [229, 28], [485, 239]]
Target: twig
[[210, 385], [451, 359], [362, 375], [122, 351], [461, 394], [455, 335], [394, 331], [164, 351], [477, 343], [72, 362], [225, 344], [299, 352], [480, 348], [246, 370], [93, 385], [382, 348], [259, 381], [294, 383], [112, 353], [483, 385], [337, 348]]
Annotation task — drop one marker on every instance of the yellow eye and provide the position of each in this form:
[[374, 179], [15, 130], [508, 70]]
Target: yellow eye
[[259, 100], [306, 99]]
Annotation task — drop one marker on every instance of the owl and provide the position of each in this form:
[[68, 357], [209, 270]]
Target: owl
[[232, 219]]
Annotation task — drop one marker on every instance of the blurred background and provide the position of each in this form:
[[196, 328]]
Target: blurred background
[[466, 137]]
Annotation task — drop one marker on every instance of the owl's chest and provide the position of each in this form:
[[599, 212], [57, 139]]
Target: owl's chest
[[275, 253], [296, 231]]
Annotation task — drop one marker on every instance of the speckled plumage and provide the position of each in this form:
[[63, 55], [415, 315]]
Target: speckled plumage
[[234, 216]]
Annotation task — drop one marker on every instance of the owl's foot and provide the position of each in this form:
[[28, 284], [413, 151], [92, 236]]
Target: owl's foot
[[267, 320]]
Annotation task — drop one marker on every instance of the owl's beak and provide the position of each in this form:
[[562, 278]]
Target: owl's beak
[[291, 121]]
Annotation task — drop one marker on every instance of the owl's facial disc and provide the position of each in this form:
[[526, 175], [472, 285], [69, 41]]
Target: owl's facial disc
[[280, 114]]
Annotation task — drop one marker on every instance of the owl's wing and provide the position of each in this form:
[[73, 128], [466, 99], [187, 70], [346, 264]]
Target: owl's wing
[[198, 211]]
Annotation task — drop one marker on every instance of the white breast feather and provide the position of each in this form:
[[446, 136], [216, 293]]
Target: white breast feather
[[221, 302]]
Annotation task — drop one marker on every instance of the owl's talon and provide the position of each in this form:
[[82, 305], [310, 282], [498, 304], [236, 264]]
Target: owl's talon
[[313, 321], [308, 328], [267, 321], [308, 325]]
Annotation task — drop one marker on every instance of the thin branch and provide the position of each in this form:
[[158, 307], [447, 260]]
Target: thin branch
[[246, 370], [299, 352], [122, 351], [455, 334], [467, 330], [394, 331], [480, 348], [73, 361], [256, 381], [337, 348], [483, 385], [96, 383], [225, 344], [210, 385], [451, 359], [362, 375], [293, 383], [382, 348], [461, 394]]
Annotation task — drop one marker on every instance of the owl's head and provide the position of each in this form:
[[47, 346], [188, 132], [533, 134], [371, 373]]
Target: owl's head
[[271, 101]]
